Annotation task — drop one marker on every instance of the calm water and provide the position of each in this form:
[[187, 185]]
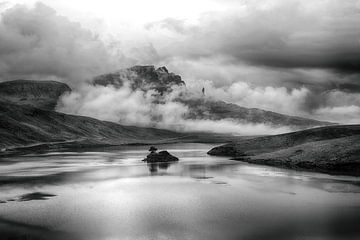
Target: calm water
[[110, 194]]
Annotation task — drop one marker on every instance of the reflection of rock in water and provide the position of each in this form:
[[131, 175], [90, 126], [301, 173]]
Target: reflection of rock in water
[[30, 197], [155, 166]]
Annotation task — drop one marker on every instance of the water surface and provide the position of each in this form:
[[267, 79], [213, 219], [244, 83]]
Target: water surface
[[109, 194]]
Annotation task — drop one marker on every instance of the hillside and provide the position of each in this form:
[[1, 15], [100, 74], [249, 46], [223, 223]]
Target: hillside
[[334, 149], [217, 110], [25, 125], [26, 128], [40, 94]]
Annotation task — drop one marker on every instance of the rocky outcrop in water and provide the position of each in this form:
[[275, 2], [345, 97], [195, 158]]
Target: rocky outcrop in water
[[162, 156]]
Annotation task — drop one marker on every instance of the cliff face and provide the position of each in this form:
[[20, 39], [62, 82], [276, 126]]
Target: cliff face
[[141, 77], [40, 94]]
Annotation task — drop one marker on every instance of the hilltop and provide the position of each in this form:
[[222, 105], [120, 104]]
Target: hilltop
[[40, 94]]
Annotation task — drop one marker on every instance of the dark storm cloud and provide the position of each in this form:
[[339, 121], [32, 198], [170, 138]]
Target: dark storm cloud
[[36, 42], [280, 34]]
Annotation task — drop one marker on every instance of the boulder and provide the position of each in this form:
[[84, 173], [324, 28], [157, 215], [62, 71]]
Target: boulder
[[162, 156]]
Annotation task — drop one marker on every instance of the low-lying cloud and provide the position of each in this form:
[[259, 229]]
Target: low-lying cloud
[[289, 56], [140, 108]]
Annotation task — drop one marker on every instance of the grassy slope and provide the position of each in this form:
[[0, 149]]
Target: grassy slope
[[217, 110], [334, 149], [24, 125]]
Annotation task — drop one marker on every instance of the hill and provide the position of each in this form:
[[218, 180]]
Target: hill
[[333, 149], [25, 125], [40, 94], [24, 128], [217, 110]]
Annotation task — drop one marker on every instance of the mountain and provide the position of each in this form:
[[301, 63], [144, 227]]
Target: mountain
[[41, 94], [147, 77], [141, 77], [333, 149]]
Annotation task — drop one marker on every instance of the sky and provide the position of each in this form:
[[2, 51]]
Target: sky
[[295, 57]]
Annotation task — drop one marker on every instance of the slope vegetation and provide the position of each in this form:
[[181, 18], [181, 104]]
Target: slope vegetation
[[26, 125], [333, 149]]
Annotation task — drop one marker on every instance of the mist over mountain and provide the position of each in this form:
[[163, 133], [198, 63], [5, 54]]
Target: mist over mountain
[[164, 91], [244, 54]]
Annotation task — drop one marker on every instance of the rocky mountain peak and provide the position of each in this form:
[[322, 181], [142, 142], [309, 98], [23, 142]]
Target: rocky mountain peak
[[142, 77], [162, 69]]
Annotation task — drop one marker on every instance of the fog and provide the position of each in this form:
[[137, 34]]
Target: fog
[[147, 109]]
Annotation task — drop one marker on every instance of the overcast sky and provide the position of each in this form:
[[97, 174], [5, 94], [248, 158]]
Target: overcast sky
[[290, 56]]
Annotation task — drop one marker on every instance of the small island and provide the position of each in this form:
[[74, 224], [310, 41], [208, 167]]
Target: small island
[[162, 156]]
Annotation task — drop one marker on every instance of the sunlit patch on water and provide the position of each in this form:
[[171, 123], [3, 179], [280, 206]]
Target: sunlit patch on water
[[112, 194]]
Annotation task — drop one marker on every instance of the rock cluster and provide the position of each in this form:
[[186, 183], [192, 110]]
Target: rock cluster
[[142, 77], [162, 156]]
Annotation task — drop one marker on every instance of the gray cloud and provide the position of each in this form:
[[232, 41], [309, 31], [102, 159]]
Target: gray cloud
[[112, 104], [289, 45], [287, 34], [287, 56], [36, 42]]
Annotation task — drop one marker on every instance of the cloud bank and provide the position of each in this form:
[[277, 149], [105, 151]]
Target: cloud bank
[[37, 43], [135, 107], [289, 56]]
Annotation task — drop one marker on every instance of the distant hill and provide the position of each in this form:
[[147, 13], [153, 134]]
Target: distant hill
[[217, 110], [41, 94], [334, 149]]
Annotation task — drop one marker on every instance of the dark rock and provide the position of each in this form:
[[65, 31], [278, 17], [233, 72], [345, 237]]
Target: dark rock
[[226, 150], [142, 77], [152, 149], [163, 156]]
